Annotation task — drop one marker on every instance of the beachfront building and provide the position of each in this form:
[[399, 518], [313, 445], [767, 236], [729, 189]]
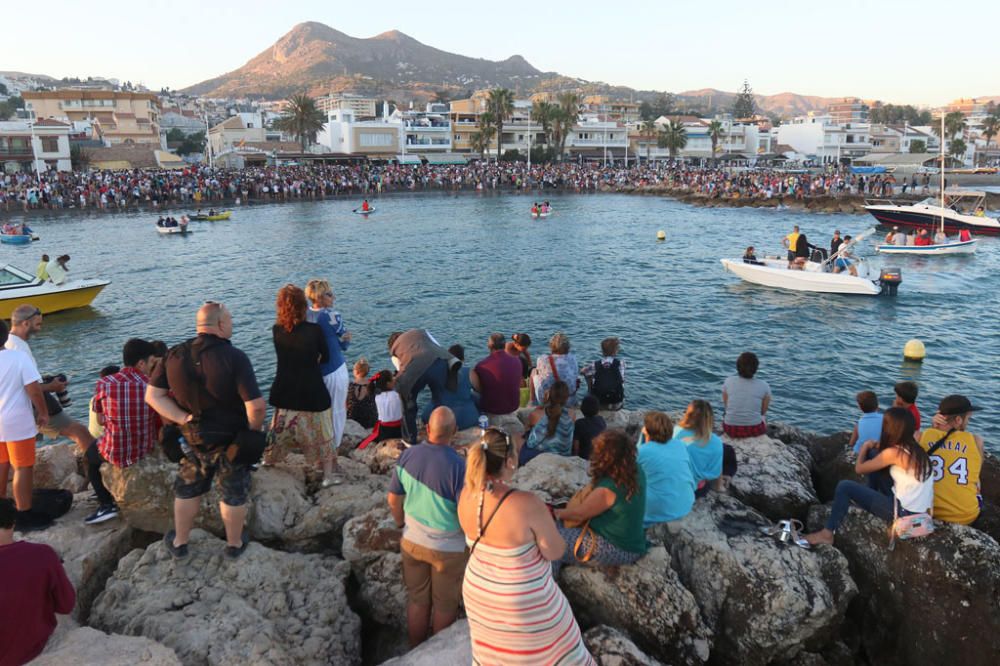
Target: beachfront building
[[51, 146], [239, 130], [362, 108], [848, 110], [625, 112], [426, 131], [594, 139], [345, 134], [116, 117], [825, 141]]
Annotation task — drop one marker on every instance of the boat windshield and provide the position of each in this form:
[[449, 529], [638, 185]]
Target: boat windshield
[[12, 277]]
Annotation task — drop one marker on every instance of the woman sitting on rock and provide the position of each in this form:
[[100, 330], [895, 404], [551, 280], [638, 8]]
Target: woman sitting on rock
[[711, 460], [361, 396], [909, 466], [550, 427], [746, 400], [609, 527], [517, 614], [665, 461], [559, 365], [460, 400]]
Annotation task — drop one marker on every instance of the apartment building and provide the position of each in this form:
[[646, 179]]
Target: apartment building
[[51, 146], [848, 110], [361, 107], [345, 134], [116, 117]]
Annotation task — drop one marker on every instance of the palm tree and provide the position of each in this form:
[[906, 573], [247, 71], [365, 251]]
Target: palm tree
[[957, 147], [542, 112], [991, 127], [302, 119], [569, 110], [501, 104], [648, 131], [715, 133], [954, 123], [673, 137], [484, 135]]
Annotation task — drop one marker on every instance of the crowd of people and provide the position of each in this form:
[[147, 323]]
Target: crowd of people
[[198, 185], [469, 537]]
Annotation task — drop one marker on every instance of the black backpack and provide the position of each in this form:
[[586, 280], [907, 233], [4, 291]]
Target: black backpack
[[609, 388]]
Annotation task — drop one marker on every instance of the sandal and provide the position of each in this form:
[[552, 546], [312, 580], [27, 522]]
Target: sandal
[[795, 528], [775, 529]]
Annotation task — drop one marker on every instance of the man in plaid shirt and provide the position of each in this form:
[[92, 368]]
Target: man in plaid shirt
[[130, 425]]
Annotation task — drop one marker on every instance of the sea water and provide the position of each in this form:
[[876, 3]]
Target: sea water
[[466, 266]]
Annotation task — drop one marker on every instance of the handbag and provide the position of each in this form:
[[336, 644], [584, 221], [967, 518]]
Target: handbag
[[584, 525], [908, 527], [576, 502], [584, 531]]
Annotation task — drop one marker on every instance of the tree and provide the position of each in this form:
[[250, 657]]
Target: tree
[[564, 119], [745, 105], [990, 128], [500, 103], [918, 146], [442, 96], [649, 131], [715, 133], [302, 119], [482, 137], [9, 108], [3, 89], [175, 135], [957, 148], [542, 113], [954, 123], [78, 157], [192, 144], [673, 137]]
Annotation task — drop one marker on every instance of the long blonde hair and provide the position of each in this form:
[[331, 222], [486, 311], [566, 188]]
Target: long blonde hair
[[700, 419], [485, 459]]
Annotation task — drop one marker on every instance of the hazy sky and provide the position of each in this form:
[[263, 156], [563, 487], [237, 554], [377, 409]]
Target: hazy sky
[[885, 50]]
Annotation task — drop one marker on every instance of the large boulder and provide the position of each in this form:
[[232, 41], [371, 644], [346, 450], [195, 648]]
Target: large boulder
[[832, 461], [631, 421], [552, 477], [89, 553], [647, 601], [379, 457], [765, 601], [611, 647], [773, 477], [84, 645], [56, 466], [371, 546], [449, 647], [989, 516], [268, 607], [933, 600]]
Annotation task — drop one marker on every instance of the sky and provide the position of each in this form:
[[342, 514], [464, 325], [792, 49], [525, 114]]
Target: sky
[[874, 50]]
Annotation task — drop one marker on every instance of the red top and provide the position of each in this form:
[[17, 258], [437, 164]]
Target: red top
[[34, 588], [130, 425], [916, 414], [923, 240], [499, 383]]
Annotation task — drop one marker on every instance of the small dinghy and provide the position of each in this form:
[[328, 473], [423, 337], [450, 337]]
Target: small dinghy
[[358, 211], [541, 214], [951, 247], [202, 217], [15, 239]]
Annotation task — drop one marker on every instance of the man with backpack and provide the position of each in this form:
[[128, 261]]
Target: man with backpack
[[606, 377]]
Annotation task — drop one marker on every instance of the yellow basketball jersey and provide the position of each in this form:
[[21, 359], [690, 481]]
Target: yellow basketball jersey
[[956, 465]]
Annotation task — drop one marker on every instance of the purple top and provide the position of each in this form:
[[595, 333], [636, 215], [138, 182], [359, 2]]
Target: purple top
[[499, 383]]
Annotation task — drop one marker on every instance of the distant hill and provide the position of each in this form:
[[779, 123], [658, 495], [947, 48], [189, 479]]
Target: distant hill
[[783, 104], [319, 59]]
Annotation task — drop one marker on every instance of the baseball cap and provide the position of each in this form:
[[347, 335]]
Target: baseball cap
[[956, 405]]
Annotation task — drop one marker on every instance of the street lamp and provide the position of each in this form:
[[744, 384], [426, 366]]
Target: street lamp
[[34, 154]]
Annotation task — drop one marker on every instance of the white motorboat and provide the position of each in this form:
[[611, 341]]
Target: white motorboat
[[774, 272], [951, 247], [958, 213]]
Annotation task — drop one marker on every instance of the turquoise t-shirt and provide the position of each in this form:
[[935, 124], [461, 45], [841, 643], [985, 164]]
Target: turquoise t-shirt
[[622, 523], [706, 459], [669, 481], [869, 427]]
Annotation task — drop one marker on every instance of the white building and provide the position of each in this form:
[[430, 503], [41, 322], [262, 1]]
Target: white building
[[424, 131], [345, 134], [26, 148]]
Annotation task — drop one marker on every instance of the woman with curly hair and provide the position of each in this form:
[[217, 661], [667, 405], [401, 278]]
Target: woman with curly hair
[[302, 416], [610, 517]]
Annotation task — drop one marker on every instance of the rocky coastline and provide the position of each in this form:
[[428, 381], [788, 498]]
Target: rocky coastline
[[321, 581]]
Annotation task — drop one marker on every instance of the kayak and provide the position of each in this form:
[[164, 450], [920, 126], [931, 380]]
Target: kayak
[[211, 218]]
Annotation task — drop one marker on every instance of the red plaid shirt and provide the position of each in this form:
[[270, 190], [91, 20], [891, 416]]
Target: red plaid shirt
[[130, 425]]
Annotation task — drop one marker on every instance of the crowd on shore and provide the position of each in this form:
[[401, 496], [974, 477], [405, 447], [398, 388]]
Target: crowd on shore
[[468, 534], [197, 185]]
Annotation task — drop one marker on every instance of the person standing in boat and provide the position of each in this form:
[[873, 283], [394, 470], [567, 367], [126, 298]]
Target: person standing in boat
[[41, 271], [58, 270], [802, 249], [791, 242], [835, 242], [842, 260]]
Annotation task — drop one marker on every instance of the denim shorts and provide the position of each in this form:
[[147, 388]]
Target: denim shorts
[[843, 263]]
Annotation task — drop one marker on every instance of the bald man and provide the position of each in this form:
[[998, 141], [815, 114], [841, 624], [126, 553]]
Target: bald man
[[214, 398], [423, 498]]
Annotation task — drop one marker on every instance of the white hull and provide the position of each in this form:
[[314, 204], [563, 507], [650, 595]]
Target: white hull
[[542, 215], [172, 230], [775, 273], [958, 247]]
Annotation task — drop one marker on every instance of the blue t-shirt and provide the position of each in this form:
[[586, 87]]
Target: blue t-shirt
[[869, 427], [430, 476], [669, 481], [706, 459], [460, 401], [333, 327]]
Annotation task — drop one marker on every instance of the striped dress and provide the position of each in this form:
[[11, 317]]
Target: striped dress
[[517, 613]]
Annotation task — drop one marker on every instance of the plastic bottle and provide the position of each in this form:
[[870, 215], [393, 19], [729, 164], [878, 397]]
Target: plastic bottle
[[484, 423], [186, 448]]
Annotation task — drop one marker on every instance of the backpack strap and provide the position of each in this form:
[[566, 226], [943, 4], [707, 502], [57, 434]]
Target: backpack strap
[[938, 444]]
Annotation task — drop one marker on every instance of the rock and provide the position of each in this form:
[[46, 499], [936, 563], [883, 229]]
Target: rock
[[354, 432], [932, 600], [278, 494], [773, 477], [764, 601], [84, 645], [552, 477], [833, 461], [989, 477], [371, 545], [450, 647], [623, 419], [789, 434], [509, 423], [380, 457], [647, 601], [89, 552], [144, 493], [611, 647], [56, 467], [268, 607]]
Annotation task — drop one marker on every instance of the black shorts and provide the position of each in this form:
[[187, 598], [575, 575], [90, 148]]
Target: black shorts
[[194, 477]]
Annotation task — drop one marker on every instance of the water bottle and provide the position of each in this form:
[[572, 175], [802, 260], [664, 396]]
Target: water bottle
[[187, 450], [484, 423]]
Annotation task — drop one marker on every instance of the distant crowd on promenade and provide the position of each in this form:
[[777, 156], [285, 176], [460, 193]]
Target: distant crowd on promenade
[[197, 185]]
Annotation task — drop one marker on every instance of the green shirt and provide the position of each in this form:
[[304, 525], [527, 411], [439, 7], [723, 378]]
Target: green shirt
[[622, 523]]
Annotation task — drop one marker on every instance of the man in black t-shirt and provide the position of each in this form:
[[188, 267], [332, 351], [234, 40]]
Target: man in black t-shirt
[[214, 398]]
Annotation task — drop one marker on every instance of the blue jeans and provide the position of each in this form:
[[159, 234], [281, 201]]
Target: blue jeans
[[436, 377], [868, 499]]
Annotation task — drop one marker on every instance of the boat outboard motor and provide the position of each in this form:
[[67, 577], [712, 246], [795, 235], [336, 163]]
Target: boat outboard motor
[[889, 279]]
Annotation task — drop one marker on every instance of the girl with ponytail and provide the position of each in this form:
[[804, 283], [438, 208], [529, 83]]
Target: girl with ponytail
[[551, 425], [508, 582]]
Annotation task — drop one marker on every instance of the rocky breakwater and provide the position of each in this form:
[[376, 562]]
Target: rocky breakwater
[[322, 582], [846, 203]]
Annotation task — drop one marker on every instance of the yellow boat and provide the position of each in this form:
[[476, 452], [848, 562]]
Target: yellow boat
[[19, 288], [211, 218]]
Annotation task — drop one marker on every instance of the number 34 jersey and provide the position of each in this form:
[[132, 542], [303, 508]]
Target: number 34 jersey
[[956, 465]]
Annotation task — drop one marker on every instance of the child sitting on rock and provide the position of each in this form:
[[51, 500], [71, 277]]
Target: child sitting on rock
[[587, 428], [361, 397], [390, 410], [606, 377]]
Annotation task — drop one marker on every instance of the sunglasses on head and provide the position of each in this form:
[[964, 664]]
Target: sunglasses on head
[[507, 441]]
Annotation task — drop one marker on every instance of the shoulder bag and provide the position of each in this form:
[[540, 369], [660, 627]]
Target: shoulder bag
[[584, 526], [917, 524], [489, 520]]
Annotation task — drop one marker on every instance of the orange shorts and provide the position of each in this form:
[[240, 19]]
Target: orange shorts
[[20, 453]]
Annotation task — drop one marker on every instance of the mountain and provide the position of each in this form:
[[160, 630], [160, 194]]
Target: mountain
[[782, 104], [318, 59]]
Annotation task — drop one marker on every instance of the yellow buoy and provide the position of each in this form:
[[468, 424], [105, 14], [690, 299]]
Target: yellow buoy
[[661, 235], [914, 350]]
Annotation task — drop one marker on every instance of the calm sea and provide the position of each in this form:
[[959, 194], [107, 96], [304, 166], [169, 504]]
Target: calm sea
[[469, 265]]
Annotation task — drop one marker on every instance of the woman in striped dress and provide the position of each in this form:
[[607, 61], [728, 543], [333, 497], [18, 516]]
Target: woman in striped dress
[[517, 614]]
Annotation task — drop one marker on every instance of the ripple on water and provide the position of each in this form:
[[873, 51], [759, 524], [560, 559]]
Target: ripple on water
[[470, 265]]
